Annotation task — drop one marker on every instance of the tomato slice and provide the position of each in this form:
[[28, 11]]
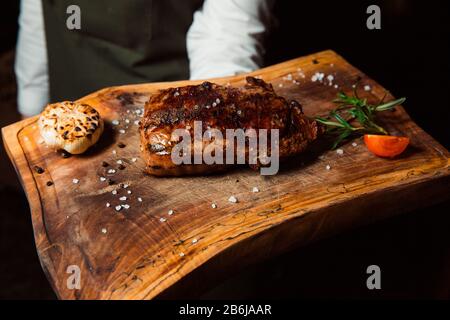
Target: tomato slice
[[386, 146]]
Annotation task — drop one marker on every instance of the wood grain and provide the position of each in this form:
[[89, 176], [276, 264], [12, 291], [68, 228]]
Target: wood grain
[[142, 257]]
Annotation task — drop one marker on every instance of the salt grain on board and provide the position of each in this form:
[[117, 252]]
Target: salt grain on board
[[232, 199]]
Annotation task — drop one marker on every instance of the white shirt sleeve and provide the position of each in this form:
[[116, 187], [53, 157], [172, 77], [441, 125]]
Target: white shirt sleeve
[[31, 59], [226, 37]]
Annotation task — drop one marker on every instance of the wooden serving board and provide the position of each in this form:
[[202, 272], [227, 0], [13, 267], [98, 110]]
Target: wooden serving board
[[134, 254]]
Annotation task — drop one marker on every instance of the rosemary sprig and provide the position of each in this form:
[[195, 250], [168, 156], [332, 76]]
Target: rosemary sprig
[[354, 116]]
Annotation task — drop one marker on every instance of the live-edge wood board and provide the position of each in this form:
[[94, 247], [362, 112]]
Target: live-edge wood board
[[144, 252]]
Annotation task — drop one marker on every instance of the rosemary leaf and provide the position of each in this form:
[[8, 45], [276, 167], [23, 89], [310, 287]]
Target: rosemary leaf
[[353, 108]]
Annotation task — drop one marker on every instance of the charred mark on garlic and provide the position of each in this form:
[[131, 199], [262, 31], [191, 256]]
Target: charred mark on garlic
[[156, 147]]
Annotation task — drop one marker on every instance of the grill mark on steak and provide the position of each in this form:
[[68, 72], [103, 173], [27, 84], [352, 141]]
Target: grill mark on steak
[[256, 106]]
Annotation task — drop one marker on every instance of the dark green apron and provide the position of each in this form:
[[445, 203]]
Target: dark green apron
[[120, 42]]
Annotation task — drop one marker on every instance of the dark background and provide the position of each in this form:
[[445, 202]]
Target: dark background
[[409, 55]]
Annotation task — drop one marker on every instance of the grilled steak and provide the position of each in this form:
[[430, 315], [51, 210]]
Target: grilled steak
[[255, 106]]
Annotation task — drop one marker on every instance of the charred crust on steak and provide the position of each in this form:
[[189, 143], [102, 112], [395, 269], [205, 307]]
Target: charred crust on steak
[[256, 105]]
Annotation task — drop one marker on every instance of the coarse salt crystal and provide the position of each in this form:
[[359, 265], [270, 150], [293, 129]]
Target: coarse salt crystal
[[127, 121], [118, 208], [134, 159], [108, 204], [126, 206], [75, 181], [181, 254], [102, 179], [213, 205], [162, 219], [119, 162], [255, 189], [354, 144], [233, 199], [104, 230], [340, 152], [170, 212], [123, 198], [115, 122], [367, 88], [194, 240], [136, 122], [140, 199], [328, 167], [111, 171], [121, 131], [114, 192], [114, 152], [330, 78], [217, 100], [129, 191], [280, 85], [318, 76], [125, 186]]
